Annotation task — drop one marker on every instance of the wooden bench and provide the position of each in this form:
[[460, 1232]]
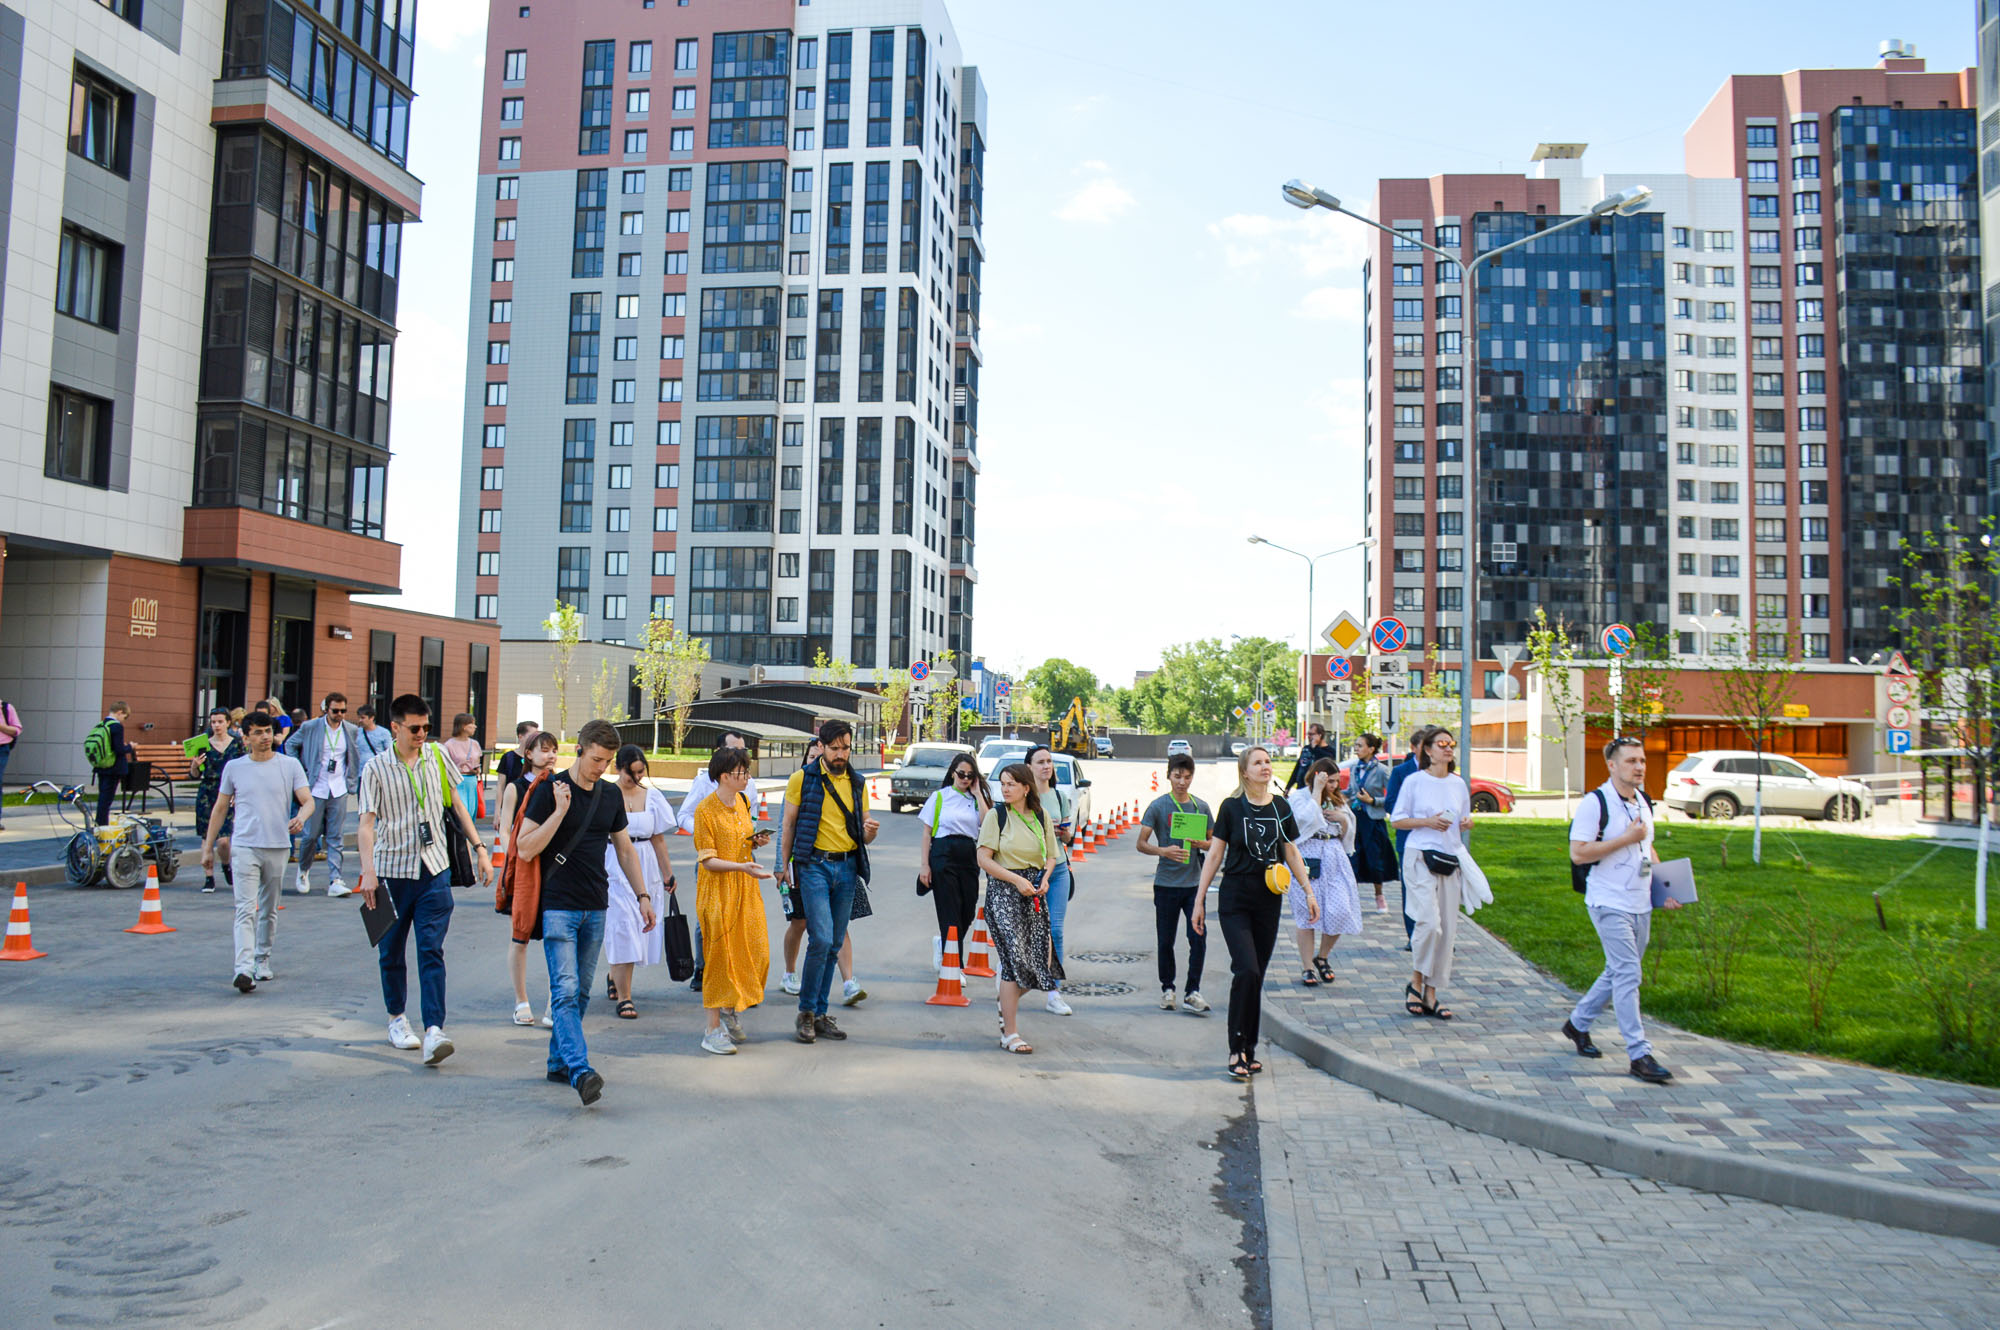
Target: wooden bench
[[155, 769]]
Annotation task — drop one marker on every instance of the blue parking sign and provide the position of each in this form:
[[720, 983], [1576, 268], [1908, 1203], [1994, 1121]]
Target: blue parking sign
[[1899, 741]]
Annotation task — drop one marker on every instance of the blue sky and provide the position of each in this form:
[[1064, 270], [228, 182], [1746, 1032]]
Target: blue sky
[[1173, 355]]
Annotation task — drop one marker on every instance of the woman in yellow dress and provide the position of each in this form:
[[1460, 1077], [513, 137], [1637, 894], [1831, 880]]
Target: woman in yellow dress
[[736, 942]]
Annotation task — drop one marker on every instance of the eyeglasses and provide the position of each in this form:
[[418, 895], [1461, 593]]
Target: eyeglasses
[[416, 729], [963, 773], [336, 711]]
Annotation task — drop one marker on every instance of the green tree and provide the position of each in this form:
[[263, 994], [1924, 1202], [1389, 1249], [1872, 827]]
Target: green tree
[[1652, 691], [655, 668], [943, 707], [1751, 684], [565, 629], [895, 689], [604, 703], [1951, 634], [1121, 704], [831, 672], [1554, 657], [1053, 683]]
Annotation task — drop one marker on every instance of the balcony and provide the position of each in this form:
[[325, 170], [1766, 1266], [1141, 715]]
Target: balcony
[[244, 538]]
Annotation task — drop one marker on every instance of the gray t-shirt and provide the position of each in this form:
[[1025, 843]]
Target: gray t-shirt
[[263, 799], [1159, 817]]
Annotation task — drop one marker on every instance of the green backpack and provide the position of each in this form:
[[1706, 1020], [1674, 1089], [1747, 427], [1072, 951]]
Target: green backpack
[[97, 747]]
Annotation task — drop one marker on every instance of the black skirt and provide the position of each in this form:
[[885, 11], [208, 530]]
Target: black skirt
[[1374, 857]]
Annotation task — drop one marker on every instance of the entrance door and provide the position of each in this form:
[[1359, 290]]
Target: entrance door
[[291, 645], [222, 646]]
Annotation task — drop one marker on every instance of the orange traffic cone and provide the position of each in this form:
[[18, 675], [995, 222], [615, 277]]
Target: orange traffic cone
[[20, 944], [1156, 782], [1080, 849], [980, 966], [949, 992], [151, 918], [763, 807]]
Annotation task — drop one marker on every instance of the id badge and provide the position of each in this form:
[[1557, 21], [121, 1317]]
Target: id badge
[[330, 766], [424, 833], [1645, 864]]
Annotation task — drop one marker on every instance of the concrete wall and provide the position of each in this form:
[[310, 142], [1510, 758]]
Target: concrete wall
[[52, 661]]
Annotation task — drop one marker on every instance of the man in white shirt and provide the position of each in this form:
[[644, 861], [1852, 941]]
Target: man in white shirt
[[1613, 834], [330, 750]]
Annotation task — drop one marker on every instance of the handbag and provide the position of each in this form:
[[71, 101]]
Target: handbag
[[676, 946], [457, 845], [1440, 863], [1278, 879], [517, 873]]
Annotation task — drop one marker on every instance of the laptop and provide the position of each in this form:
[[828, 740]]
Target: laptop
[[1673, 879]]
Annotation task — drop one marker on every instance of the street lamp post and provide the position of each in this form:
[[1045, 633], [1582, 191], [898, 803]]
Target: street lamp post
[[1312, 569], [1623, 204]]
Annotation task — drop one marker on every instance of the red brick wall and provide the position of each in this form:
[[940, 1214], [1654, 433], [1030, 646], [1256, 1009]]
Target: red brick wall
[[154, 673]]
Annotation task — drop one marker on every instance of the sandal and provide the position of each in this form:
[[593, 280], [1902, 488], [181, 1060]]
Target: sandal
[[1310, 978], [1436, 1008], [1413, 1001], [627, 1012], [610, 988], [1325, 970], [1014, 1043], [1238, 1069]]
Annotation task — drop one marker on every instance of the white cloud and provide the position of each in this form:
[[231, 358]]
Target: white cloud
[[1316, 244], [1100, 201], [446, 23]]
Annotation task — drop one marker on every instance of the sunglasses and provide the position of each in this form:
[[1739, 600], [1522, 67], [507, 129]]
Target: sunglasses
[[336, 711], [417, 729], [963, 773]]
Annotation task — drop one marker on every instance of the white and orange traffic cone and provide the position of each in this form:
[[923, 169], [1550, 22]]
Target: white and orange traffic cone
[[763, 807], [20, 944], [980, 963], [950, 992], [152, 919], [1156, 782]]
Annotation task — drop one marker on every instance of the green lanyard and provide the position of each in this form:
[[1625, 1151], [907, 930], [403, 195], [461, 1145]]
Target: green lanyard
[[415, 790]]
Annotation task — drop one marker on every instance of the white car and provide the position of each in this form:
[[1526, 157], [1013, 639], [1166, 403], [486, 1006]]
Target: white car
[[1723, 783], [1179, 747], [1069, 779], [995, 753]]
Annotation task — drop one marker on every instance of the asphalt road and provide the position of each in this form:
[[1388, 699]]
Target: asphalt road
[[182, 1154]]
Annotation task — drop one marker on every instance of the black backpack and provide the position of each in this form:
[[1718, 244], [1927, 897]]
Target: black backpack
[[1579, 874]]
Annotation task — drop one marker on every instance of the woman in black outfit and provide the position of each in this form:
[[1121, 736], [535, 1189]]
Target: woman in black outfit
[[950, 860], [1254, 829]]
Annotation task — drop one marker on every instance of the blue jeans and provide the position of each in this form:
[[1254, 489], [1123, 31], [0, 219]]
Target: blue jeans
[[326, 827], [1058, 903], [1624, 936], [423, 904], [1409, 924], [6, 751], [826, 893], [571, 940]]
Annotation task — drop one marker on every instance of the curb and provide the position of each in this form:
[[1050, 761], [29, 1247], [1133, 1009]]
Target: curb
[[56, 875], [1804, 1186]]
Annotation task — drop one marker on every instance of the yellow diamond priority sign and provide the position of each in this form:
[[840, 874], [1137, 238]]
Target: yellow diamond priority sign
[[1343, 633]]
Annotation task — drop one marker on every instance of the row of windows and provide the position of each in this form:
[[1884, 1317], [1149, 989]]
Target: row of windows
[[269, 37], [1768, 567], [1766, 136], [241, 461]]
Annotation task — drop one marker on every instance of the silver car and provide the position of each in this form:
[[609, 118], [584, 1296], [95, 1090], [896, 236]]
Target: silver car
[[1723, 783]]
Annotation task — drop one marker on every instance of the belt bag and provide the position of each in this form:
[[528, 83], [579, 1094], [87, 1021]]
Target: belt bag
[[1440, 863]]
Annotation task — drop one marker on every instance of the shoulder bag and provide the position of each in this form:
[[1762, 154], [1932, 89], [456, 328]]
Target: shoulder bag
[[518, 874]]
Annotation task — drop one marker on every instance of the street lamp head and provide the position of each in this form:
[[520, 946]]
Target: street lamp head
[[1256, 540], [1302, 195], [1624, 203], [1369, 542]]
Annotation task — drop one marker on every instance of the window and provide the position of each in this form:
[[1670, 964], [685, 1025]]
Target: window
[[1766, 311], [486, 607], [802, 180], [1811, 310], [79, 440], [677, 221], [1408, 344], [1765, 274], [491, 477], [1812, 346], [802, 223], [686, 51], [1770, 493], [640, 58], [1725, 565], [1684, 528], [1407, 274], [1724, 491], [1681, 237], [1760, 136], [666, 519], [510, 150], [514, 67], [680, 140], [504, 228], [1685, 565], [614, 609], [1770, 530], [503, 270], [673, 348], [1812, 491], [1450, 344], [663, 606], [667, 475], [1684, 454], [496, 436], [617, 519], [684, 99], [496, 394], [624, 390], [1763, 205], [88, 273], [100, 122], [1805, 131], [788, 609], [1805, 203], [507, 187], [635, 143], [677, 263], [621, 434], [489, 520], [1763, 242], [1761, 173], [1719, 240], [638, 101], [489, 563], [1407, 311], [510, 109], [1812, 454], [670, 390], [631, 223], [663, 563], [1724, 528], [1771, 566], [1447, 238], [1812, 417], [628, 265], [1813, 606], [497, 352], [1812, 529], [1805, 237], [619, 478], [500, 311], [624, 348]]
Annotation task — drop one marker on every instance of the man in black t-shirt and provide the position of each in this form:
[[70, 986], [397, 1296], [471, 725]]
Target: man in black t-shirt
[[571, 819]]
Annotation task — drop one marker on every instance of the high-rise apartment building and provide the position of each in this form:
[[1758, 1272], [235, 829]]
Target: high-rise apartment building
[[793, 493], [201, 213], [1719, 414]]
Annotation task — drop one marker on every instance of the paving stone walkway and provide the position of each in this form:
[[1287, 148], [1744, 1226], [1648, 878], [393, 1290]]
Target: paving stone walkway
[[1506, 1042], [1381, 1216]]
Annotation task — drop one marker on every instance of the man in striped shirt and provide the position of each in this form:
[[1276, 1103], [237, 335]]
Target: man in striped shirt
[[405, 798]]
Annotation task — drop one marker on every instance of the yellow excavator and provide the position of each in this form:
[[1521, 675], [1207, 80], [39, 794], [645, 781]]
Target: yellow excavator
[[1071, 734]]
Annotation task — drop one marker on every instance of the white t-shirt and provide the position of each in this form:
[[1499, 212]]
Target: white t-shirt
[[1621, 880], [262, 795], [330, 781], [1425, 795], [952, 813]]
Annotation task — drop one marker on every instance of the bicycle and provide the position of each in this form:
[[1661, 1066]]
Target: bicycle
[[115, 854]]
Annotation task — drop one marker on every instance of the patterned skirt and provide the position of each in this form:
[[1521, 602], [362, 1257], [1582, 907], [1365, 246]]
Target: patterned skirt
[[1333, 887], [1374, 857], [1021, 937]]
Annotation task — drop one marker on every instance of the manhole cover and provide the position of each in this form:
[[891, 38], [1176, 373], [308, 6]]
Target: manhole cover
[[1097, 990], [1108, 957]]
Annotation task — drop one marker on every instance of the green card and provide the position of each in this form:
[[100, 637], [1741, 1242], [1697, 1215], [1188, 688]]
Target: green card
[[1187, 826]]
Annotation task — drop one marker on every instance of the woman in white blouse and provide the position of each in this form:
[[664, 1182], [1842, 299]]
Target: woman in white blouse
[[1326, 839], [949, 862], [1435, 808]]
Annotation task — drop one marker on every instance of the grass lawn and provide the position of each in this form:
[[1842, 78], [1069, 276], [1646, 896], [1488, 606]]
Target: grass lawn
[[1871, 1014]]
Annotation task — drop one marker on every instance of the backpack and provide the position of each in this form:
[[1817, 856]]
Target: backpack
[[97, 747], [1579, 874]]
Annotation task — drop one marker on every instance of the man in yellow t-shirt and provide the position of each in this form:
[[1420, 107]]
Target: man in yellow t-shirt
[[819, 856]]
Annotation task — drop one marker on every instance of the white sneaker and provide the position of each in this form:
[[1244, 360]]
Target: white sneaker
[[852, 992], [437, 1046], [1167, 1002], [790, 983], [262, 972], [401, 1035], [1058, 1007], [524, 1014], [734, 1026], [305, 885], [1195, 1003], [937, 954], [716, 1041], [548, 1021], [337, 889]]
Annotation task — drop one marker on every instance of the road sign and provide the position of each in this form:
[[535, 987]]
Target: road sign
[[1507, 655], [1343, 633], [1388, 665], [1797, 711], [1899, 718], [1238, 712], [1899, 741], [1340, 688], [1508, 687], [1340, 667], [1899, 666], [1616, 640], [920, 670], [1003, 688], [1616, 678], [1388, 636], [1900, 691], [1389, 685]]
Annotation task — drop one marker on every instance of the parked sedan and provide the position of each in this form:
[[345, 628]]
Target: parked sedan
[[1487, 796], [1723, 783], [920, 772]]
